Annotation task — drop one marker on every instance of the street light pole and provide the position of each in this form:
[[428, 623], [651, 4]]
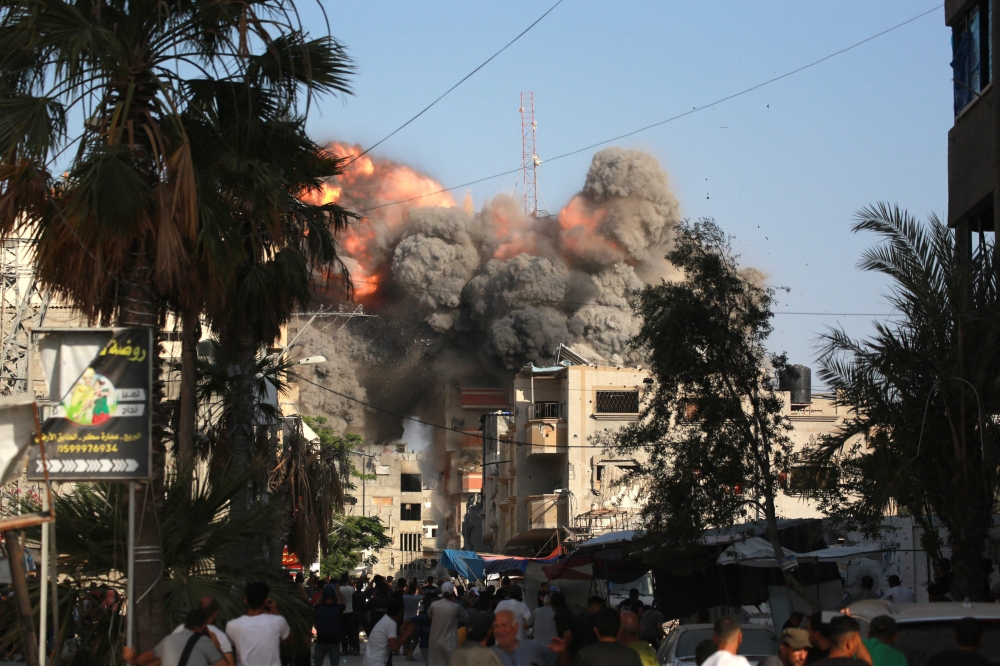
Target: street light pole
[[364, 478]]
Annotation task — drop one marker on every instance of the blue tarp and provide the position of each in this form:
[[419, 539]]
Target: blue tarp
[[504, 564], [465, 563]]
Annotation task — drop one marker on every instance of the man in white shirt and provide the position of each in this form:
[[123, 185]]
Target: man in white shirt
[[257, 635], [727, 637], [898, 594], [516, 605], [543, 621], [211, 608], [349, 644], [383, 641]]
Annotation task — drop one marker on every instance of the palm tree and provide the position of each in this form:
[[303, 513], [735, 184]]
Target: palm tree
[[122, 231], [272, 245], [921, 390]]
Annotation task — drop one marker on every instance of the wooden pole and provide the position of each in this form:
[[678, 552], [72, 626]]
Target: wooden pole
[[15, 555]]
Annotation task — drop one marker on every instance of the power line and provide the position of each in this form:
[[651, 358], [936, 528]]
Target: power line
[[463, 80], [694, 110], [428, 423], [428, 290]]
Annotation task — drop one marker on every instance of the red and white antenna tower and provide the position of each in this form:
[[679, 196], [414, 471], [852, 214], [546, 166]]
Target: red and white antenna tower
[[529, 157]]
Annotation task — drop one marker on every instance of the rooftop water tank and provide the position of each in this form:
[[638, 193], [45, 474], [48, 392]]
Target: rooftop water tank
[[796, 379]]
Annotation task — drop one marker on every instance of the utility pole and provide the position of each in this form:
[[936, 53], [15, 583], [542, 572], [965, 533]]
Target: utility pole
[[364, 476]]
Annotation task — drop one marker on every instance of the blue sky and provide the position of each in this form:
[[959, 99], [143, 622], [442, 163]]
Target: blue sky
[[783, 169]]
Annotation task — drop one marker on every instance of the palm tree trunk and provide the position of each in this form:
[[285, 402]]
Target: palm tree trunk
[[241, 426], [141, 308], [190, 336]]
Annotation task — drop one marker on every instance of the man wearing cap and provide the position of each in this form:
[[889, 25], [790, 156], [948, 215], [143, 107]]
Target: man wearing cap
[[444, 615], [794, 649], [881, 637], [473, 652]]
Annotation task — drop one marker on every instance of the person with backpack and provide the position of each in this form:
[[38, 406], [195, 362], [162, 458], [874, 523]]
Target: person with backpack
[[193, 646], [328, 621]]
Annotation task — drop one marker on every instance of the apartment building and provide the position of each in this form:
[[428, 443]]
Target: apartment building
[[464, 407], [400, 496], [972, 141], [546, 478]]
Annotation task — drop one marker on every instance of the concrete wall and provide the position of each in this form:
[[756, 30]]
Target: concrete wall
[[970, 160]]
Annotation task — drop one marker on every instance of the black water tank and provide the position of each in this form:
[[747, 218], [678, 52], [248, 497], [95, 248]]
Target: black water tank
[[797, 379]]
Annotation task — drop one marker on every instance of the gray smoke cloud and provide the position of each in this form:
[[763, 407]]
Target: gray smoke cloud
[[464, 299]]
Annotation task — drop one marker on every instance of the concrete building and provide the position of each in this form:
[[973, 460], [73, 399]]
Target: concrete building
[[464, 407], [400, 497], [972, 142], [547, 478]]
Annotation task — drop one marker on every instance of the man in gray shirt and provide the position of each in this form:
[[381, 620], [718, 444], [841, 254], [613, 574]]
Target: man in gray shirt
[[194, 646]]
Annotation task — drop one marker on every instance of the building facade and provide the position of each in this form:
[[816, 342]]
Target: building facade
[[400, 495], [973, 171], [547, 476]]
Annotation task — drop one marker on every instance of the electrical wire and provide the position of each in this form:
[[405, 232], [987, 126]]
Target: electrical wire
[[428, 423], [449, 90], [693, 110], [555, 300]]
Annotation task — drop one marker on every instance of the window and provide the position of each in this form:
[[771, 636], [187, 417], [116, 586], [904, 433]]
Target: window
[[617, 402], [546, 410], [409, 483], [409, 511], [811, 478], [457, 424], [410, 543], [972, 55]]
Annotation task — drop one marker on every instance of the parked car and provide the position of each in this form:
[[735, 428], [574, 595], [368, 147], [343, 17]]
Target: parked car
[[678, 647], [928, 628]]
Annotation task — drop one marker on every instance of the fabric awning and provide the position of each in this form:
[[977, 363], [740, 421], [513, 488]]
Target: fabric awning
[[757, 552], [465, 563]]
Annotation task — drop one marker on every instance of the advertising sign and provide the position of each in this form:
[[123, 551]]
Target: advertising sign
[[98, 427]]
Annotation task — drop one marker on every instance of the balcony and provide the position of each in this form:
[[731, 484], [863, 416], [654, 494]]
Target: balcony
[[545, 436], [547, 511]]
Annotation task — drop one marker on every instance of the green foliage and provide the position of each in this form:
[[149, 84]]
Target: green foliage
[[711, 425], [350, 536], [200, 539], [340, 448], [921, 391]]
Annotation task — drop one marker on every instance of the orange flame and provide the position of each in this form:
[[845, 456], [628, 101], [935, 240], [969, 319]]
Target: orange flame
[[581, 235], [367, 186]]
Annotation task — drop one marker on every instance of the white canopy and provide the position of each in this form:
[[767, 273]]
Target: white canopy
[[757, 552]]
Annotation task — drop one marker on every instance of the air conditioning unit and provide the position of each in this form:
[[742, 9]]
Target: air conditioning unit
[[494, 470]]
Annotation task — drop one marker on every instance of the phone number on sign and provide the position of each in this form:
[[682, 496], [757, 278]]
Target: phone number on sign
[[87, 448]]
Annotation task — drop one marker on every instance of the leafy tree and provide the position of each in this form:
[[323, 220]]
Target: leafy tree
[[125, 232], [350, 536], [199, 535], [711, 426], [921, 391]]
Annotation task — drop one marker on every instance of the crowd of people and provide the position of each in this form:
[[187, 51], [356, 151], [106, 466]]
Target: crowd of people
[[447, 624], [444, 623]]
